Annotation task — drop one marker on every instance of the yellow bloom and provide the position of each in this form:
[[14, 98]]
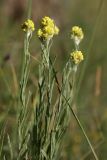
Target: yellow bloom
[[77, 32], [28, 26], [47, 21], [39, 33], [48, 29], [77, 57]]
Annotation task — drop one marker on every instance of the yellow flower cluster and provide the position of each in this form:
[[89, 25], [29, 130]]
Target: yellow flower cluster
[[77, 32], [28, 26], [48, 29], [77, 57]]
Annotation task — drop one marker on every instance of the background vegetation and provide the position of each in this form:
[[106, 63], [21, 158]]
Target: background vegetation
[[91, 84]]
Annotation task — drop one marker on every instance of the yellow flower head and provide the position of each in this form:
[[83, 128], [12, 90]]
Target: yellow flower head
[[77, 31], [39, 33], [47, 21], [77, 57], [48, 29], [77, 34], [28, 26]]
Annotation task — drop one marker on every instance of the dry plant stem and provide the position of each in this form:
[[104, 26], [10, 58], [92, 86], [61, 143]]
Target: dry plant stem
[[76, 117]]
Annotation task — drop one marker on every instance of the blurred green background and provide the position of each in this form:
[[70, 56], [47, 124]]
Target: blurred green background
[[91, 97]]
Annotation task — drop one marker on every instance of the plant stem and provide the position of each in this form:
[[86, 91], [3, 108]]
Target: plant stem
[[22, 110], [75, 116]]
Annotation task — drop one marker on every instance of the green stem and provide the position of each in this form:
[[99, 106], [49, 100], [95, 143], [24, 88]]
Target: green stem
[[29, 10], [74, 114], [22, 100], [24, 76]]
